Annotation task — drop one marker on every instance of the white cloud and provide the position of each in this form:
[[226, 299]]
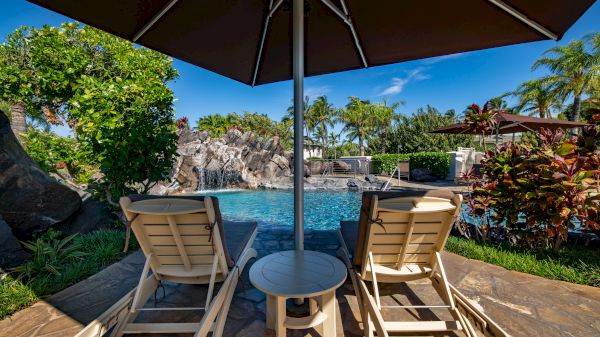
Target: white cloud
[[314, 92], [438, 59], [398, 83]]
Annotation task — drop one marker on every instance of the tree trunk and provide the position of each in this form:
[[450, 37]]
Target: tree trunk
[[18, 122], [574, 115], [361, 145]]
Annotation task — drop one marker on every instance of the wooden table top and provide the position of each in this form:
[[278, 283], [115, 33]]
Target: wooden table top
[[166, 206], [297, 274]]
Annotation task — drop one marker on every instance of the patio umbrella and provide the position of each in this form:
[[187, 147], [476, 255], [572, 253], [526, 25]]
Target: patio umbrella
[[263, 41], [509, 123]]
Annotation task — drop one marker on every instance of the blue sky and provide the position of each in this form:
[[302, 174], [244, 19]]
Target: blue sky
[[447, 82]]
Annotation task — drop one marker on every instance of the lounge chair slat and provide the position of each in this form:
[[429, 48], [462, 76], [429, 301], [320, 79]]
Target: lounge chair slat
[[391, 239], [188, 240], [181, 219], [137, 328], [188, 229], [393, 249], [193, 259], [191, 250], [402, 228], [422, 326]]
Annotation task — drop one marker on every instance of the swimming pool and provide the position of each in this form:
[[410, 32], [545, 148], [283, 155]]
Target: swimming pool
[[275, 208]]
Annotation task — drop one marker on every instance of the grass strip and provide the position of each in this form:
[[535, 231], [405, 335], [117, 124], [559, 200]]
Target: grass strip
[[102, 248], [575, 264]]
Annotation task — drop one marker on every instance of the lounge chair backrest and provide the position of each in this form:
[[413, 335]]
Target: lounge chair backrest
[[181, 245], [409, 230]]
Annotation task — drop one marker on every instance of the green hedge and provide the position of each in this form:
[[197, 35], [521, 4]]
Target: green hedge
[[437, 162]]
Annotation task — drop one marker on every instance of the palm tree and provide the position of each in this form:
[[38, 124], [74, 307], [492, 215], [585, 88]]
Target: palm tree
[[334, 140], [309, 124], [322, 113], [215, 124], [358, 120], [537, 97], [574, 67], [384, 115]]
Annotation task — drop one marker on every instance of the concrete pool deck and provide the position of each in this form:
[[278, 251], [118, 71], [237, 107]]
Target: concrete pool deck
[[524, 305]]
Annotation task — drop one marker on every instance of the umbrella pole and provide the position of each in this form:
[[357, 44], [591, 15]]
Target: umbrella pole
[[298, 70]]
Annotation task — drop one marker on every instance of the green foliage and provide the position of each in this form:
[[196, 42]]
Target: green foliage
[[14, 296], [114, 95], [261, 124], [437, 162], [50, 255], [411, 133], [579, 265], [541, 191], [53, 153], [387, 162], [99, 248], [574, 68]]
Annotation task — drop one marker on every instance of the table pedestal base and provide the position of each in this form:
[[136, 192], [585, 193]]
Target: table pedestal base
[[322, 315]]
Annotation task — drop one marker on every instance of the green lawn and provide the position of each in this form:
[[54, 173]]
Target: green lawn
[[101, 248], [579, 265]]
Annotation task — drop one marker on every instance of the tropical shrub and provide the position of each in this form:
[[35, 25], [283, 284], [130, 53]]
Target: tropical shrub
[[482, 120], [540, 192], [113, 94], [54, 153], [50, 255], [437, 162], [411, 133], [387, 162]]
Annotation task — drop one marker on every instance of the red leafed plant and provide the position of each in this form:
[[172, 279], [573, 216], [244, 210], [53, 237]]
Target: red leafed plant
[[483, 120], [540, 192], [182, 123]]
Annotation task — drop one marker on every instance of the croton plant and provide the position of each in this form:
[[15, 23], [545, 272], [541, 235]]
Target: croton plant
[[540, 192]]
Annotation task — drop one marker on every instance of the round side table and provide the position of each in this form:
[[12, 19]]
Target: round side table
[[299, 274]]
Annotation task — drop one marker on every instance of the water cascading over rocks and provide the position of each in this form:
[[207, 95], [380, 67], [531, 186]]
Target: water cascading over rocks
[[234, 160]]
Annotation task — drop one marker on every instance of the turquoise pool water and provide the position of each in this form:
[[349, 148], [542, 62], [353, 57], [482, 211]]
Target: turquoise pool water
[[275, 208]]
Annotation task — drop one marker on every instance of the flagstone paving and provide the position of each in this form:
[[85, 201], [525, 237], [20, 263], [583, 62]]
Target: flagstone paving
[[524, 305]]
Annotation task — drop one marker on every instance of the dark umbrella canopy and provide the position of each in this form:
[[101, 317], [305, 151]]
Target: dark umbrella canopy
[[263, 41], [225, 36], [509, 123]]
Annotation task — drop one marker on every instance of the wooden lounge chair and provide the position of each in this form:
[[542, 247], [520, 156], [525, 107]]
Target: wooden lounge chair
[[184, 241], [399, 238]]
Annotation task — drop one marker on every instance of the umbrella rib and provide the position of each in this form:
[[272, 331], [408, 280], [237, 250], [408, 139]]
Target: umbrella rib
[[344, 16], [523, 18], [152, 21], [272, 10]]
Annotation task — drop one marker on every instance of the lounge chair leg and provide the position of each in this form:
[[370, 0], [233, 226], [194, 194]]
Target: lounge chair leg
[[222, 316], [211, 284]]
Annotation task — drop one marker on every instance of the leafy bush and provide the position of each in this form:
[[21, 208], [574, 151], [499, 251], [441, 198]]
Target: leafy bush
[[387, 162], [53, 153], [57, 264], [541, 192], [437, 162], [50, 255]]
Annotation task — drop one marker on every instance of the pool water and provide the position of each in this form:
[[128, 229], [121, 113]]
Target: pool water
[[275, 208]]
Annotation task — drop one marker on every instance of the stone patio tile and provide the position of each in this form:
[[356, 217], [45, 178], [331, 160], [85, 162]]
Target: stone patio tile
[[523, 304]]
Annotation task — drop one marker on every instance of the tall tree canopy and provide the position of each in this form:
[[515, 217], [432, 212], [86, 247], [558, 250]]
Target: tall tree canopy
[[537, 97], [411, 133], [574, 68], [112, 93]]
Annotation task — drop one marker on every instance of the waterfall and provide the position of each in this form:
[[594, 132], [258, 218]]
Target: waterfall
[[216, 179]]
